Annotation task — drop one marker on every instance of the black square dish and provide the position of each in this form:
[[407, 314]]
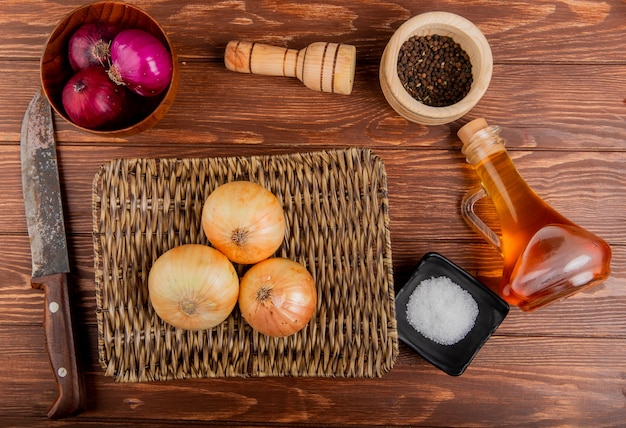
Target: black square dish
[[453, 359]]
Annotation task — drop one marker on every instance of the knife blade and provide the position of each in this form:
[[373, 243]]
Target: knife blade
[[50, 260]]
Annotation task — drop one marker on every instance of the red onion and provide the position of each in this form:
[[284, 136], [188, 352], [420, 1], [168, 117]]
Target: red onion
[[141, 62], [90, 45], [92, 100]]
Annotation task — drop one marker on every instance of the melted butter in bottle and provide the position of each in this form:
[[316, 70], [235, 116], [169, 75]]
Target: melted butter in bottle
[[546, 256]]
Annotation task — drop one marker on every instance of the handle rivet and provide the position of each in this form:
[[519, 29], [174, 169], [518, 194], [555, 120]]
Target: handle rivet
[[54, 307], [62, 372]]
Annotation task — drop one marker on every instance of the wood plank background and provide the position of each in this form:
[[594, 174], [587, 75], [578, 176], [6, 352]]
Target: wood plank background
[[558, 90]]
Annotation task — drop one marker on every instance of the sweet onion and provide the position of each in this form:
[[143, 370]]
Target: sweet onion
[[193, 287], [90, 45], [244, 220], [92, 100], [277, 297], [141, 62]]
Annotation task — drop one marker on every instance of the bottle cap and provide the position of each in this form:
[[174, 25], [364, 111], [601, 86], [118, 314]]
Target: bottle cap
[[468, 130]]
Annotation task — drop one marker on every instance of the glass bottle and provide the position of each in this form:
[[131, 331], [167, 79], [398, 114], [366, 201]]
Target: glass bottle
[[546, 256]]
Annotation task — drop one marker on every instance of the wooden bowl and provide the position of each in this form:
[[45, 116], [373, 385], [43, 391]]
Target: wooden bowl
[[463, 32], [56, 69]]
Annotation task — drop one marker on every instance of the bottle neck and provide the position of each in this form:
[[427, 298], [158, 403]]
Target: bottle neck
[[484, 143], [515, 202]]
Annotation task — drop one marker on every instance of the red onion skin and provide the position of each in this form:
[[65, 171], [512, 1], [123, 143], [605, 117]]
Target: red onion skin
[[90, 45], [141, 62], [92, 100]]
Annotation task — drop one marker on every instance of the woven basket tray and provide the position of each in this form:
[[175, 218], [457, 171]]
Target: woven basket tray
[[337, 226]]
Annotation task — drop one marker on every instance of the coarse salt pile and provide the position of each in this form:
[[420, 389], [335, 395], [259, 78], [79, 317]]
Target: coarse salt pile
[[441, 310]]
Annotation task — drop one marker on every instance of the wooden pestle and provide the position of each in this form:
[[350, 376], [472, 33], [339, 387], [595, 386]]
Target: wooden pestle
[[321, 66]]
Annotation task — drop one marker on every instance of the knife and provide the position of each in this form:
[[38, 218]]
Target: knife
[[48, 245]]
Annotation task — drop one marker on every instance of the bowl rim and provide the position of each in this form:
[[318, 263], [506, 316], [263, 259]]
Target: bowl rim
[[445, 24], [167, 97]]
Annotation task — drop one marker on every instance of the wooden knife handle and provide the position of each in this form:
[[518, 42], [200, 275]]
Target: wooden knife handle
[[61, 346]]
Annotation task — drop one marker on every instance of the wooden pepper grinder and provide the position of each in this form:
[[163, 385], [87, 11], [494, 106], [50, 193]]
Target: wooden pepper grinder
[[321, 66]]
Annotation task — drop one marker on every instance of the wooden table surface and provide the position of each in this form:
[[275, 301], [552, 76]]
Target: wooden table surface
[[558, 90]]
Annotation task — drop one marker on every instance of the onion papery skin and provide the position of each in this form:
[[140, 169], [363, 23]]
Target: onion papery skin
[[277, 297], [245, 221], [141, 62], [92, 100], [90, 45], [193, 287]]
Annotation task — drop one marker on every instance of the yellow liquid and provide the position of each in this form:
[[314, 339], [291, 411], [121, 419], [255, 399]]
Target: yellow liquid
[[546, 256]]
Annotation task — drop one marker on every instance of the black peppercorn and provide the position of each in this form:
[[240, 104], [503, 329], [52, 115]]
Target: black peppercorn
[[435, 70]]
